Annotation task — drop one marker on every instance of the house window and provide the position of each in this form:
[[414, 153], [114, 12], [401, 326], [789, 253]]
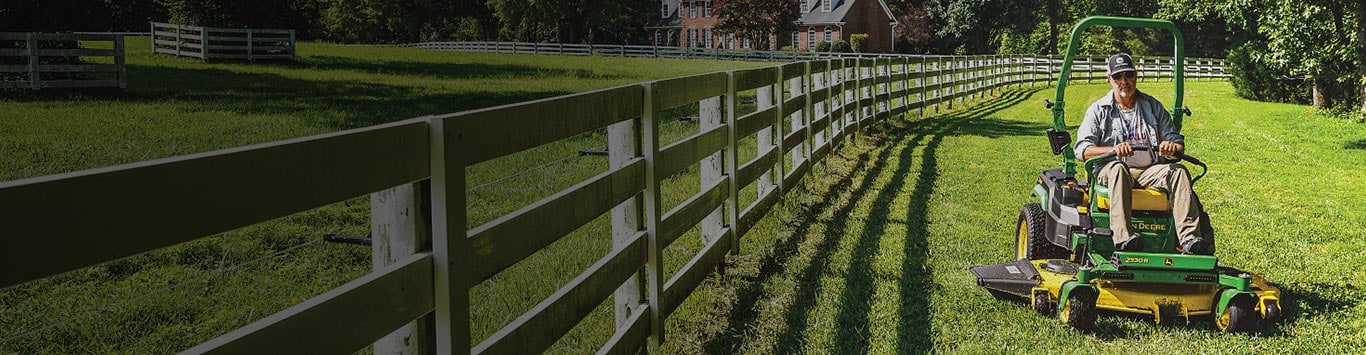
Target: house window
[[826, 4], [796, 39], [664, 9], [707, 13], [806, 6], [810, 38], [744, 43], [692, 10], [827, 34], [658, 36], [706, 37], [692, 37]]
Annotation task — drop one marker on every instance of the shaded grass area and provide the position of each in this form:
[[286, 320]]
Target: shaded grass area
[[872, 256], [171, 299]]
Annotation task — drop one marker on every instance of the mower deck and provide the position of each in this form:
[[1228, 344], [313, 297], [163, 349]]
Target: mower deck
[[1119, 292]]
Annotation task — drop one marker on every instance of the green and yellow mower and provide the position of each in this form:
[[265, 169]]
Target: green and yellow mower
[[1066, 260]]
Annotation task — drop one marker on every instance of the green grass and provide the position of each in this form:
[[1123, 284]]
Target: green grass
[[174, 298], [873, 256]]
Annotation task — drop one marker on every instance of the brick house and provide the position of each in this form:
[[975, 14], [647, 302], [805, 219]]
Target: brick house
[[691, 23], [832, 20]]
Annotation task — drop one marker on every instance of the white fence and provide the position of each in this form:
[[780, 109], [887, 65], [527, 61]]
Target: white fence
[[222, 43], [36, 74], [805, 110], [1087, 68]]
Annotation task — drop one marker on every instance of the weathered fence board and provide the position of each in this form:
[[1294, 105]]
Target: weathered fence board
[[210, 43], [74, 72]]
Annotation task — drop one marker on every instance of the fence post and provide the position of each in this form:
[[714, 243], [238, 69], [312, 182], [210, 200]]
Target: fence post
[[250, 45], [399, 228], [732, 204], [623, 146], [797, 86], [291, 44], [818, 110], [450, 249], [654, 266], [763, 99], [709, 117], [33, 76], [119, 61]]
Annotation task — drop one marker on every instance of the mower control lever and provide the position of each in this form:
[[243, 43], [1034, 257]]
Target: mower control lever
[[1186, 110], [1047, 104]]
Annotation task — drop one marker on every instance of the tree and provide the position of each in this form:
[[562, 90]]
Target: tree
[[976, 25], [1317, 39], [573, 21], [757, 19]]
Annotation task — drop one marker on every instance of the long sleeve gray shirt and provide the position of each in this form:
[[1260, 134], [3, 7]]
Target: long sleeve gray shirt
[[1103, 124]]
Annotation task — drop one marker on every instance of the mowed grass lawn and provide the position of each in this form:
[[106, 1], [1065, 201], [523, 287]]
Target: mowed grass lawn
[[874, 258]]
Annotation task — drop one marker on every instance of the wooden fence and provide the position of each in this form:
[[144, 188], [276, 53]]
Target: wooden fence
[[1085, 68], [38, 51], [804, 111], [222, 43]]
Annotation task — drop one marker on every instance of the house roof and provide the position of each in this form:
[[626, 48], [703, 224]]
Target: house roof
[[837, 13]]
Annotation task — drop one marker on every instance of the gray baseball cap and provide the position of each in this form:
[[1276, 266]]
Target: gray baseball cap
[[1120, 63]]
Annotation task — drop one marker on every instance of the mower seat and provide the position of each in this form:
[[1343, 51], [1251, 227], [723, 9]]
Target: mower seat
[[1143, 199]]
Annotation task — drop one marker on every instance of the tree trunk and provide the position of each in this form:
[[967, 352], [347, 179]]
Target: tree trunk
[[1361, 54], [1053, 18], [1323, 92]]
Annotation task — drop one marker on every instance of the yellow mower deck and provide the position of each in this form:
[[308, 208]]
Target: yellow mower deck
[[1182, 300]]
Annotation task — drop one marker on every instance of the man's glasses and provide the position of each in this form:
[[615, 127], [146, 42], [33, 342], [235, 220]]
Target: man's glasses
[[1124, 75]]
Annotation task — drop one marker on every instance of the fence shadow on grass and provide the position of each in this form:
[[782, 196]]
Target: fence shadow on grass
[[1359, 144], [915, 281], [336, 104]]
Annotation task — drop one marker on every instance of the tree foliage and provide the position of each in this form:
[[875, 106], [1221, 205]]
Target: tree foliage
[[757, 19], [574, 21]]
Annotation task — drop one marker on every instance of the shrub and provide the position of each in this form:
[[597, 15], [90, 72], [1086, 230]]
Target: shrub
[[822, 46], [858, 42], [1256, 79], [789, 49], [840, 46]]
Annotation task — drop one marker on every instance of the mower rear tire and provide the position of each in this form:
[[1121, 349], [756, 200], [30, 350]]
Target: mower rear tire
[[1080, 310], [1030, 241]]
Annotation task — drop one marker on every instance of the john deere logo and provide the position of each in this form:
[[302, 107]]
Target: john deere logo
[[1137, 260], [1151, 226], [1167, 262]]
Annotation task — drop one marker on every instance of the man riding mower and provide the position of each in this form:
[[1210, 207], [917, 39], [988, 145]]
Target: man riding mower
[[1133, 238]]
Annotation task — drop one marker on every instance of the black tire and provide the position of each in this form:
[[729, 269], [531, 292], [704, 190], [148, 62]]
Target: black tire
[[1030, 241], [1272, 313], [1080, 310], [1239, 317], [1041, 303]]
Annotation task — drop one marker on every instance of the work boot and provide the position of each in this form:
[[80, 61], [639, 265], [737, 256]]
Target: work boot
[[1195, 245], [1133, 244]]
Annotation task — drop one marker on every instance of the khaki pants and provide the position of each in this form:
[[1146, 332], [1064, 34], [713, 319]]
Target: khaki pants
[[1173, 179]]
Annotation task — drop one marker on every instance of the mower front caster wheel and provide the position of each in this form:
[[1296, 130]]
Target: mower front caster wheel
[[1239, 317], [1080, 309]]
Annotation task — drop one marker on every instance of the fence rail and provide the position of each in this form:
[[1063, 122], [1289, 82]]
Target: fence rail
[[804, 111], [222, 43], [42, 69], [1084, 68]]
